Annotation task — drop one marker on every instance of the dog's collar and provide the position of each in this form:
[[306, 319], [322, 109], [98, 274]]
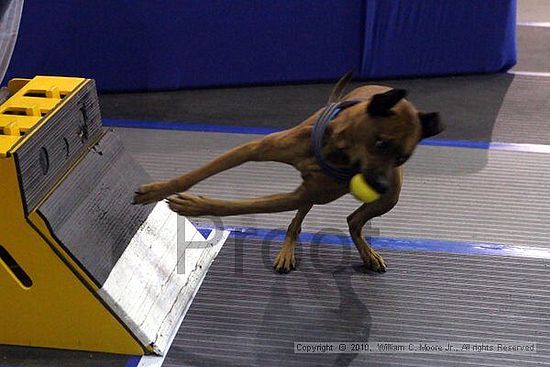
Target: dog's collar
[[340, 174]]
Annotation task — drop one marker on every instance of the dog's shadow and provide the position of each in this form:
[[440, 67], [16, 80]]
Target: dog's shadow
[[327, 310]]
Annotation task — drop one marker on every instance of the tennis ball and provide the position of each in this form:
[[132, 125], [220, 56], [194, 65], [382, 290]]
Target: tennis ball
[[362, 190]]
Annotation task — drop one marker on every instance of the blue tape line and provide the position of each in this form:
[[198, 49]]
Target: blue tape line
[[456, 143], [401, 244], [232, 129], [133, 361], [189, 126], [205, 231]]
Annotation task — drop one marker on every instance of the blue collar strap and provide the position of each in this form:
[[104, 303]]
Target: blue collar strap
[[340, 174]]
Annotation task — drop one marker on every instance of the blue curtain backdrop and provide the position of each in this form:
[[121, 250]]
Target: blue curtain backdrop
[[159, 45], [435, 37]]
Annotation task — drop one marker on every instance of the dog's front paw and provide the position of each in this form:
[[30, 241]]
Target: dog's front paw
[[285, 261], [373, 261], [151, 193], [189, 205]]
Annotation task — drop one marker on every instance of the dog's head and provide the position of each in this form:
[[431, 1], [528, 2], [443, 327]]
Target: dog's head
[[383, 133]]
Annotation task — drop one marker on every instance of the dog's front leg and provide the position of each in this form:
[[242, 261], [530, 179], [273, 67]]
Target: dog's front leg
[[251, 151], [366, 212], [356, 222], [285, 260]]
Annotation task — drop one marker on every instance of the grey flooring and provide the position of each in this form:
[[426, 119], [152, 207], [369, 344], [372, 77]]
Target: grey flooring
[[533, 48], [502, 107], [533, 11], [245, 315], [469, 104], [449, 193]]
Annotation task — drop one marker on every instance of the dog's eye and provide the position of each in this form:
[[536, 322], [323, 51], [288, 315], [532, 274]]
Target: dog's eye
[[383, 145]]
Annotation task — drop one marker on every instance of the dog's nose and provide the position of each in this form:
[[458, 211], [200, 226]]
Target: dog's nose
[[377, 181]]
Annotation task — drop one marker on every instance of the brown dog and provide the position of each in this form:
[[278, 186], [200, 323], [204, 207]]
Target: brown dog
[[373, 135]]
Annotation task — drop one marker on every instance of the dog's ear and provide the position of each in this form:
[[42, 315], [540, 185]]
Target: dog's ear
[[431, 124], [381, 104]]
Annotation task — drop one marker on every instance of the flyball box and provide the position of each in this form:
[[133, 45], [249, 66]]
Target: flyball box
[[80, 267]]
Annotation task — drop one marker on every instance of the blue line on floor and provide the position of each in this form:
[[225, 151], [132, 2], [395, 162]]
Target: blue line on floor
[[133, 361], [256, 130], [190, 126], [456, 143], [385, 243]]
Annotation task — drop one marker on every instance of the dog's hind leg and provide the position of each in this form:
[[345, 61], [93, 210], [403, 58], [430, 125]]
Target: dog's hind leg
[[195, 206], [285, 260], [366, 212], [251, 151]]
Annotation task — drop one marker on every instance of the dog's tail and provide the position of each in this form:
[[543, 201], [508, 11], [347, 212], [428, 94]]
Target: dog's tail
[[336, 94]]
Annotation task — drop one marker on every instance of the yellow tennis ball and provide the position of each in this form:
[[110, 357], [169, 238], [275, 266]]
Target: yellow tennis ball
[[362, 190]]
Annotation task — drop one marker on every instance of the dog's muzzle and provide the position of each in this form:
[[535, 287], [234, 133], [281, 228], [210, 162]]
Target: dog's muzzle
[[377, 181]]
